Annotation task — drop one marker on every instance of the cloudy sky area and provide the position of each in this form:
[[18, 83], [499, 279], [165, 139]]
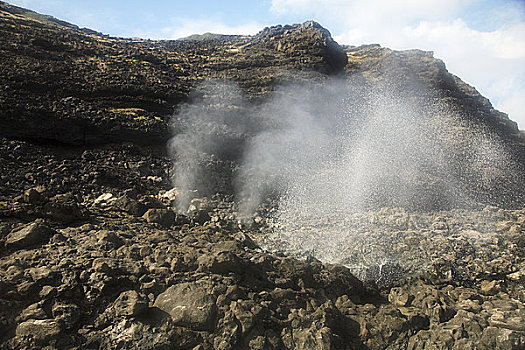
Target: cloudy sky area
[[481, 41]]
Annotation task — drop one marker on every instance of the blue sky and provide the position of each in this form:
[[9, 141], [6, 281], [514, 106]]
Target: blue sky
[[481, 41]]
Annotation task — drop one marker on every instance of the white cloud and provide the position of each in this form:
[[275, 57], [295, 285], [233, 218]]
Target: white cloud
[[185, 27], [21, 3], [370, 13], [492, 60]]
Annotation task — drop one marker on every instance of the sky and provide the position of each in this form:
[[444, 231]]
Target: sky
[[481, 41]]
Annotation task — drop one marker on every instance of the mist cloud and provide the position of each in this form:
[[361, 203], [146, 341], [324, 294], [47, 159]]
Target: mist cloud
[[328, 157], [336, 145]]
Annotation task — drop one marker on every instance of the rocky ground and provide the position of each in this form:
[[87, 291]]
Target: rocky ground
[[115, 267], [93, 256]]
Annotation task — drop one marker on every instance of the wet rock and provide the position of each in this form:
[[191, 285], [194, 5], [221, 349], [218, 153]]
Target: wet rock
[[441, 271], [171, 195], [200, 216], [31, 235], [316, 331], [163, 217], [384, 275], [190, 305], [400, 297]]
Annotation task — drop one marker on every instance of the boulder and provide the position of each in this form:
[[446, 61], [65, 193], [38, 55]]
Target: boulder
[[30, 235], [163, 217], [490, 287], [39, 330], [64, 208], [105, 236], [222, 262], [67, 314], [129, 205], [34, 312], [190, 305], [201, 216]]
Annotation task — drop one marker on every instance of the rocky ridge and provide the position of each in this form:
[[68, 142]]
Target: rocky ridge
[[93, 255]]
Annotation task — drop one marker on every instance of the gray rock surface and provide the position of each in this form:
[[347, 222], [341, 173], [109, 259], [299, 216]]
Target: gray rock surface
[[190, 305], [29, 236]]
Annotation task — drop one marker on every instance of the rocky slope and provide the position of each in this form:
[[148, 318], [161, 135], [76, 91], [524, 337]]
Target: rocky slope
[[93, 256]]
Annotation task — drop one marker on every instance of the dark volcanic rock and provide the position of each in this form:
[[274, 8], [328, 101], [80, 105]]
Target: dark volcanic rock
[[64, 208], [39, 330], [163, 217], [310, 41], [29, 236], [130, 303], [63, 86]]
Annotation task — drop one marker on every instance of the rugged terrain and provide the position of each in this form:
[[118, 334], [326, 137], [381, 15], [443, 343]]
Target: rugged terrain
[[94, 256]]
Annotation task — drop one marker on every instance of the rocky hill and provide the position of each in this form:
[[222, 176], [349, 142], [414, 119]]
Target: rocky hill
[[93, 254]]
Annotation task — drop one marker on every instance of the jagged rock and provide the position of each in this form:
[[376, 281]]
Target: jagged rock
[[34, 195], [296, 39], [190, 305], [48, 292], [64, 208], [222, 262], [497, 338], [130, 303], [33, 312], [130, 206], [109, 237], [399, 297], [163, 217], [39, 330], [490, 287], [66, 314], [200, 216], [104, 199], [29, 236]]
